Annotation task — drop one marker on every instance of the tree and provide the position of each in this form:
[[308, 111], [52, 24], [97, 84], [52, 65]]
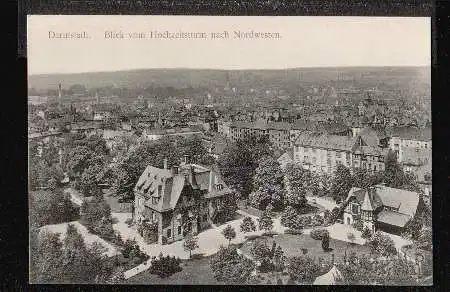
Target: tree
[[366, 234], [303, 269], [165, 266], [50, 207], [260, 251], [90, 179], [227, 208], [319, 234], [96, 216], [299, 181], [335, 213], [190, 243], [279, 258], [268, 185], [239, 160], [229, 233], [248, 225], [358, 224], [341, 184], [382, 245], [425, 239], [291, 218], [326, 243], [265, 222], [45, 257], [230, 267]]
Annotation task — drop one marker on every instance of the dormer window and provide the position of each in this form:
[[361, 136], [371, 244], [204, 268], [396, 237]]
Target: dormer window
[[219, 187]]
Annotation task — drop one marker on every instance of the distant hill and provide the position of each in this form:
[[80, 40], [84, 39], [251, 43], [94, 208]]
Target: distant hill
[[289, 79]]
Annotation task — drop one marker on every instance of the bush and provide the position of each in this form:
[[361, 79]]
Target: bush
[[293, 231], [252, 237], [270, 233], [319, 234], [325, 243], [165, 266], [317, 220], [304, 250]]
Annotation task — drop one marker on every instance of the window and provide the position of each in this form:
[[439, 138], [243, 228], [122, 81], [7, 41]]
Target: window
[[355, 209], [154, 216], [154, 200], [338, 155], [179, 230], [205, 218], [169, 233], [159, 190]]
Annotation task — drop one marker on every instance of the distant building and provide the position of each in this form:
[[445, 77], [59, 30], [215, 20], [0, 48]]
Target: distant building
[[286, 159], [401, 137], [382, 208], [156, 134], [37, 99], [323, 152], [179, 200]]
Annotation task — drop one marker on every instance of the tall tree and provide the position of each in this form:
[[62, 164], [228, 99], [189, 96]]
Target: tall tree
[[230, 267], [268, 185], [300, 182], [303, 269], [342, 183], [265, 222], [248, 225], [239, 161]]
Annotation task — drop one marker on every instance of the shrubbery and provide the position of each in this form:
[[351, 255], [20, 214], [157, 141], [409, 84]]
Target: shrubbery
[[165, 266], [292, 218], [319, 234], [293, 231], [132, 252]]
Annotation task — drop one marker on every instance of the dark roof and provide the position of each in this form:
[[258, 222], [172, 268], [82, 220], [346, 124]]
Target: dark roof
[[393, 218], [196, 176], [325, 141], [403, 201], [410, 133]]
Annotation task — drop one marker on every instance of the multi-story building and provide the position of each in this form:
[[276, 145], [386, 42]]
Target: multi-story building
[[401, 137], [369, 158], [180, 200], [322, 152], [156, 134], [241, 130]]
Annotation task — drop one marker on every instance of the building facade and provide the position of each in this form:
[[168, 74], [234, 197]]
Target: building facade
[[382, 208], [179, 200]]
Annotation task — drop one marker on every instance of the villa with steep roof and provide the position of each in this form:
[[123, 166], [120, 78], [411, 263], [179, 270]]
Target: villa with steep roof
[[382, 208], [183, 199]]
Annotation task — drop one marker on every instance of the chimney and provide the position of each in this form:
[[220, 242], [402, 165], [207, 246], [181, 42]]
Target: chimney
[[165, 163]]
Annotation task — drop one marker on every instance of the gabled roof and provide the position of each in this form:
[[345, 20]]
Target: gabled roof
[[402, 201], [393, 218], [155, 180], [367, 204]]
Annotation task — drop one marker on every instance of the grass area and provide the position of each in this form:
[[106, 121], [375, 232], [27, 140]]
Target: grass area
[[195, 272], [292, 246], [116, 207]]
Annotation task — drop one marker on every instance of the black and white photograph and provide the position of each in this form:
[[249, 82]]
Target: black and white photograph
[[229, 150]]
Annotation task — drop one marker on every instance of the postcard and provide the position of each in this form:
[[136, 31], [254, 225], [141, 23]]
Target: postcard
[[229, 150]]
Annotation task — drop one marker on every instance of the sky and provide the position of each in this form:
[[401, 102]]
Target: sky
[[303, 42]]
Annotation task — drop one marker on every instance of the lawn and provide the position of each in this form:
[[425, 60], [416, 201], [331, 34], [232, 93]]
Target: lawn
[[195, 272], [292, 246]]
